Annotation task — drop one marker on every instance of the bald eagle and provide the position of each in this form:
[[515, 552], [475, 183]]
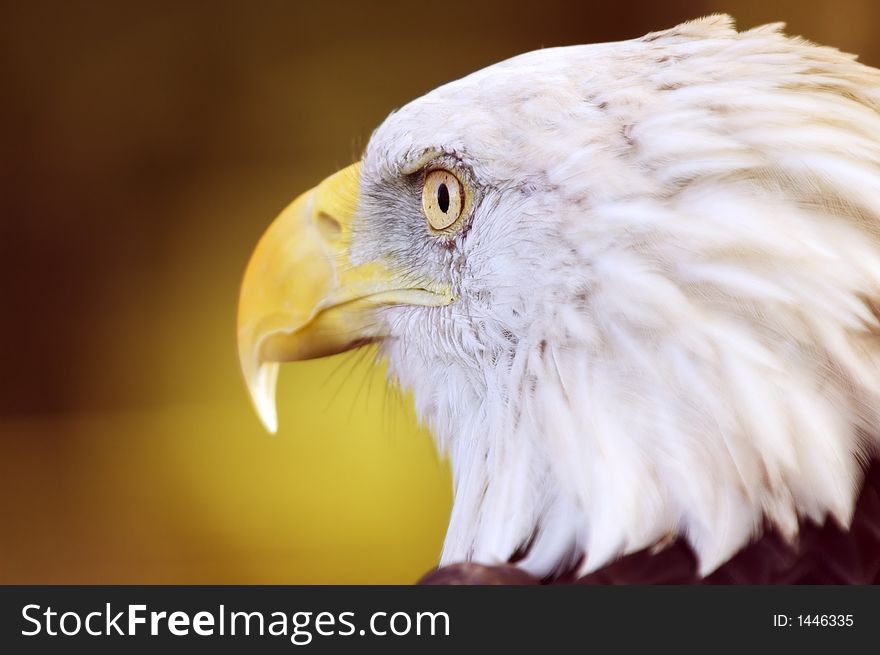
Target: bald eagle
[[634, 288]]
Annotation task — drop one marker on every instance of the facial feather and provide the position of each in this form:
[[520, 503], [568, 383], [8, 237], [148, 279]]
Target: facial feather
[[664, 296]]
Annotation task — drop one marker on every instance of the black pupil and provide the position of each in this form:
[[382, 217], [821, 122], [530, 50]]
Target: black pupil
[[443, 198]]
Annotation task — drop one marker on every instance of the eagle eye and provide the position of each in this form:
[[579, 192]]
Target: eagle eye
[[442, 198]]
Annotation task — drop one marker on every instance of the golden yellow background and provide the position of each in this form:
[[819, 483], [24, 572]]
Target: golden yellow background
[[145, 148]]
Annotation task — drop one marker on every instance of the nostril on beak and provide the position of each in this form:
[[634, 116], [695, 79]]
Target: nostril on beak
[[328, 226]]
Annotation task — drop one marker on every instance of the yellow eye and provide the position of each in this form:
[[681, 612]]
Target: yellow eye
[[442, 198]]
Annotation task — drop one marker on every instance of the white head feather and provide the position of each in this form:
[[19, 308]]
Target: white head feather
[[666, 315]]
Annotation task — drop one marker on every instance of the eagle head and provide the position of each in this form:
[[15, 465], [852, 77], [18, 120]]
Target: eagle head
[[632, 287]]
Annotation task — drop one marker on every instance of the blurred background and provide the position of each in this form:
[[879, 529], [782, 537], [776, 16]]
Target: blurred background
[[145, 149]]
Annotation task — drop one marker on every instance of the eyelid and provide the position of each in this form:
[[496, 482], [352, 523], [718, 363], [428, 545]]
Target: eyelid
[[422, 161]]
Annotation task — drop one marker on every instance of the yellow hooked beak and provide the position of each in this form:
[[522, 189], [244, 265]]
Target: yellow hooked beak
[[301, 296]]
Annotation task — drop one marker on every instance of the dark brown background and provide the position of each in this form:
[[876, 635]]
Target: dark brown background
[[145, 147]]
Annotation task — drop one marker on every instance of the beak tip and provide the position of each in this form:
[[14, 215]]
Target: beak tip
[[268, 416], [262, 388], [270, 423]]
